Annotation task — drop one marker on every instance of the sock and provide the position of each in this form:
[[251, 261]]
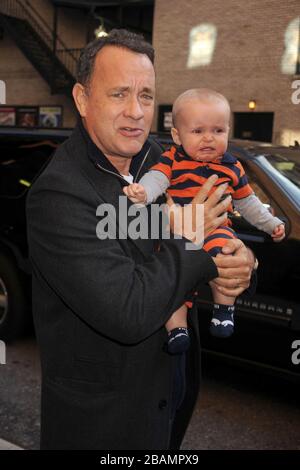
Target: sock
[[179, 340], [222, 322]]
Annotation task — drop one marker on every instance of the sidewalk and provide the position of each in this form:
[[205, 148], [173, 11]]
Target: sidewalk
[[4, 445]]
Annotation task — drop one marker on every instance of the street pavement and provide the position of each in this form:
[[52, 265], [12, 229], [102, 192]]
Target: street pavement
[[236, 409], [5, 445]]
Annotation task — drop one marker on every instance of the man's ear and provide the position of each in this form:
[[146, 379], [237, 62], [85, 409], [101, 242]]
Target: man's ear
[[80, 98], [175, 136]]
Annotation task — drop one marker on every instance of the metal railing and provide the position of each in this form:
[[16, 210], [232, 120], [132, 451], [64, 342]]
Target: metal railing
[[17, 9], [64, 56]]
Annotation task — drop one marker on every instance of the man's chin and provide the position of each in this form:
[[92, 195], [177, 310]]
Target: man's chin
[[131, 149]]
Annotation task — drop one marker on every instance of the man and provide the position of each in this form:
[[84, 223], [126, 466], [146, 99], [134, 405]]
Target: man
[[100, 305]]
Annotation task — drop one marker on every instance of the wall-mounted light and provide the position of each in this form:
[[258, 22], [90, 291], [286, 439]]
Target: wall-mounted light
[[252, 105], [100, 32]]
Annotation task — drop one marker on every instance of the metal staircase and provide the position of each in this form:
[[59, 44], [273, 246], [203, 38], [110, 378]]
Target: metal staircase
[[38, 43]]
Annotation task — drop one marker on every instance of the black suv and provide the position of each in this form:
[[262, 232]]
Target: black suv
[[23, 155], [267, 324]]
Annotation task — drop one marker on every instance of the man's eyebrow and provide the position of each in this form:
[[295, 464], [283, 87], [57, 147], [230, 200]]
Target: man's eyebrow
[[148, 90], [120, 88], [126, 88]]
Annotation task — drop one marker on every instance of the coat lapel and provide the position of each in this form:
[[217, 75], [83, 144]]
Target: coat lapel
[[109, 186]]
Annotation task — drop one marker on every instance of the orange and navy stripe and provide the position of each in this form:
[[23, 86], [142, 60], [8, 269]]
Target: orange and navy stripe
[[213, 245], [187, 176], [215, 241]]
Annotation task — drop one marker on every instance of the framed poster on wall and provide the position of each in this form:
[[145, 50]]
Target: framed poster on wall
[[27, 116], [50, 116], [7, 116]]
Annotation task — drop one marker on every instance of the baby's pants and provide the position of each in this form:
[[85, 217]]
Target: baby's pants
[[213, 244]]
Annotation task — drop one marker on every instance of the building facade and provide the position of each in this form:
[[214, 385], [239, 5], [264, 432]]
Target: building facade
[[247, 51]]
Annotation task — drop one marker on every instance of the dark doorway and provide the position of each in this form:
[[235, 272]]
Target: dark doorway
[[254, 126]]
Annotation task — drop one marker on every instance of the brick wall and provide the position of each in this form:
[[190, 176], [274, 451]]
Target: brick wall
[[246, 63], [24, 85]]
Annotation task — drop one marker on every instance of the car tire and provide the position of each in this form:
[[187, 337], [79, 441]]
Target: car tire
[[12, 300]]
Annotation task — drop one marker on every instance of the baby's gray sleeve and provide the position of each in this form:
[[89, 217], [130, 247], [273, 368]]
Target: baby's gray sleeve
[[155, 183], [253, 210]]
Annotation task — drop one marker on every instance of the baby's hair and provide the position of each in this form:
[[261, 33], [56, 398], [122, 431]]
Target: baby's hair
[[206, 95]]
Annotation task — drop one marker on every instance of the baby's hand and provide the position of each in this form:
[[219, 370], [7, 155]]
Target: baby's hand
[[278, 233], [136, 193]]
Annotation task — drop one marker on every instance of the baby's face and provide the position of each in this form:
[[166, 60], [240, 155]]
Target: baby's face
[[202, 129]]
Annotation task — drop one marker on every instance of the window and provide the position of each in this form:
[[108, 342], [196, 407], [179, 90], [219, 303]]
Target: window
[[19, 165]]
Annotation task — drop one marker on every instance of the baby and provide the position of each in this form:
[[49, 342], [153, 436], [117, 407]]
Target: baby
[[201, 128]]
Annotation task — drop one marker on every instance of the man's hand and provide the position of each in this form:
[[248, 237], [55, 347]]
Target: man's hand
[[214, 211], [234, 270], [136, 193]]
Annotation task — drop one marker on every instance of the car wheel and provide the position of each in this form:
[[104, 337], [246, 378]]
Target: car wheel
[[12, 300]]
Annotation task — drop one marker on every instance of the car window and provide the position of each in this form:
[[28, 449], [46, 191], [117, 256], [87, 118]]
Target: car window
[[287, 164], [20, 164], [285, 172]]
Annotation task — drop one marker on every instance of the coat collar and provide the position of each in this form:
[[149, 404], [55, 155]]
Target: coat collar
[[102, 162], [104, 177]]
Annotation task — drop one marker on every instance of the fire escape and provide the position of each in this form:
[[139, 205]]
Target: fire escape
[[40, 45], [46, 51]]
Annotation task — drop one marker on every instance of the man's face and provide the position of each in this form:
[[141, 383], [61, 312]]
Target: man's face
[[119, 106], [203, 129]]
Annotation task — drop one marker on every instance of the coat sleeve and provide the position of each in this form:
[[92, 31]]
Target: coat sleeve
[[97, 279]]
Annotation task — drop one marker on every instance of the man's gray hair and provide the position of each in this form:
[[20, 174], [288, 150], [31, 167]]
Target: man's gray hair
[[117, 37]]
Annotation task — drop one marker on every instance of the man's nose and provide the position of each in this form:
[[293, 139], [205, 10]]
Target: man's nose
[[133, 108]]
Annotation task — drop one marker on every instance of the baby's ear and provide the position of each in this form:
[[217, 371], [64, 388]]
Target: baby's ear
[[175, 136]]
